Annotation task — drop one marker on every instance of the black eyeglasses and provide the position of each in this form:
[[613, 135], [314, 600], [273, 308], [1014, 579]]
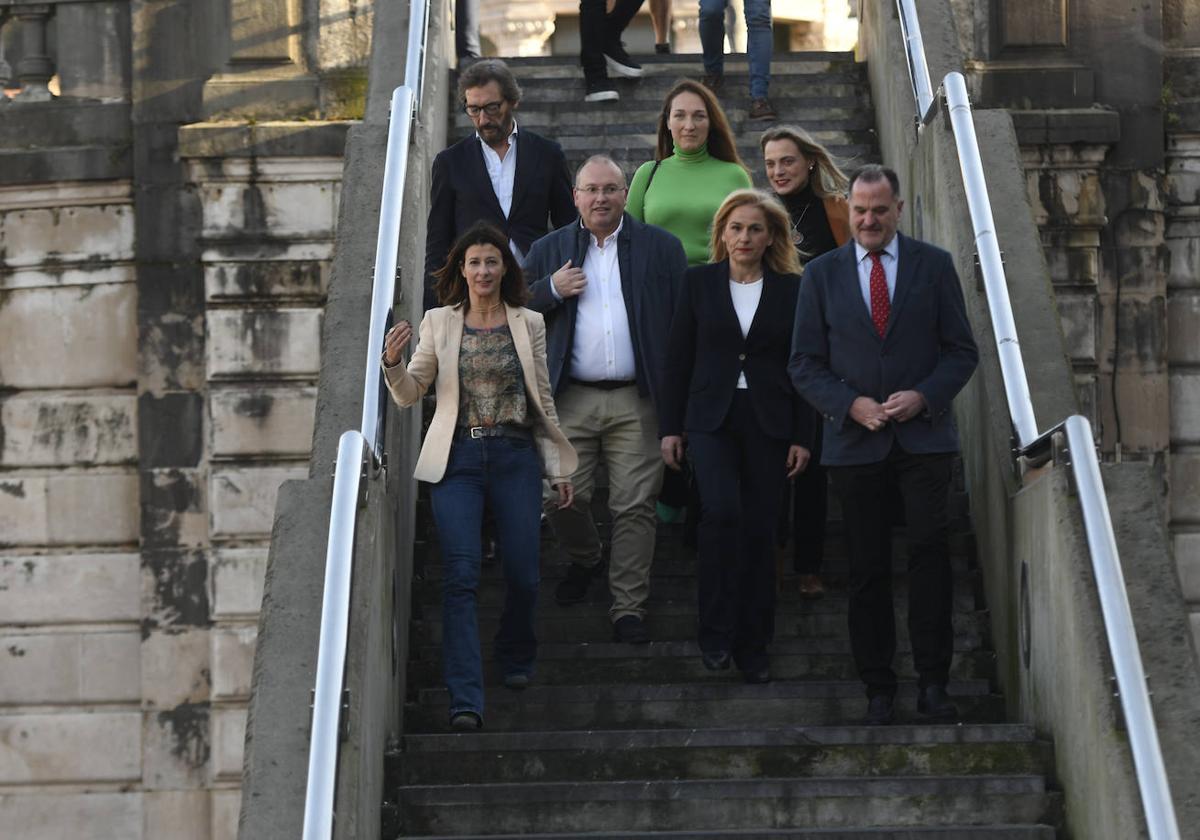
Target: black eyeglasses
[[491, 109]]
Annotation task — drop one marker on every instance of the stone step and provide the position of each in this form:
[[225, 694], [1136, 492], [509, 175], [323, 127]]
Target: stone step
[[565, 119], [958, 832], [691, 65], [723, 700], [523, 63], [677, 621], [688, 667], [808, 752], [765, 803]]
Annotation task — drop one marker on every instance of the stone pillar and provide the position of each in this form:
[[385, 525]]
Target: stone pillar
[[35, 68], [517, 29], [93, 50]]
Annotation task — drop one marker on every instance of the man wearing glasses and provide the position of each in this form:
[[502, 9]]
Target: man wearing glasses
[[521, 186], [607, 287]]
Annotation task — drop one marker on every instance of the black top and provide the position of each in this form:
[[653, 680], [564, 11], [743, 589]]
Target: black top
[[810, 226]]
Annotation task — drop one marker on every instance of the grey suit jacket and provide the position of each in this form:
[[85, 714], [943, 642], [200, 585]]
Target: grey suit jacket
[[838, 356]]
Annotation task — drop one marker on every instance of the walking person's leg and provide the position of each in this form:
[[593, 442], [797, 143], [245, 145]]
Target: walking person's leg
[[714, 457], [574, 528], [712, 41], [759, 45]]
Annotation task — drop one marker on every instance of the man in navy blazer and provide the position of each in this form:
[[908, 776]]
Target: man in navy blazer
[[880, 348], [515, 180], [607, 286]]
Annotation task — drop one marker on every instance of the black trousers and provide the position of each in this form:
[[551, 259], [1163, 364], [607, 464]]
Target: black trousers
[[466, 29], [924, 484], [598, 29], [809, 508], [738, 470]]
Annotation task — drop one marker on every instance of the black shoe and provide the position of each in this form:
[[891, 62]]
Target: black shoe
[[762, 109], [716, 660], [933, 702], [879, 711], [757, 676], [630, 630], [466, 722], [574, 587], [516, 682], [620, 64], [713, 81], [662, 49], [601, 90]]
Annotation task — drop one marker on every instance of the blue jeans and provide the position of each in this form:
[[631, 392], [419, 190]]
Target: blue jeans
[[758, 40], [508, 473]]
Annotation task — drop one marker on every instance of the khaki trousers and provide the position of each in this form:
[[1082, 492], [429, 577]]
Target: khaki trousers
[[619, 426]]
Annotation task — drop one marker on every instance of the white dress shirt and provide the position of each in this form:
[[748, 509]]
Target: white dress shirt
[[889, 257], [603, 346], [502, 172], [746, 297]]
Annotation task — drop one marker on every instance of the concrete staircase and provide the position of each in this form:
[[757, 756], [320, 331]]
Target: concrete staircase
[[624, 741]]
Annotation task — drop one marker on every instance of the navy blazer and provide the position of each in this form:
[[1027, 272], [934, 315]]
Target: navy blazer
[[652, 263], [461, 194], [707, 351], [838, 356]]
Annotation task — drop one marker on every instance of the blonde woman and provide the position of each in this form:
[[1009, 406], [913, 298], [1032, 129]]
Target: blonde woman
[[726, 388], [811, 186]]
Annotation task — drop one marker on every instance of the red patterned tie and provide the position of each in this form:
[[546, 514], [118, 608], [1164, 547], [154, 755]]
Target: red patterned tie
[[881, 307]]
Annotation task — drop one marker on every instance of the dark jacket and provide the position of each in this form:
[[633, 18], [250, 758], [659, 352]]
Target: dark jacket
[[706, 352], [652, 263], [461, 194], [928, 347]]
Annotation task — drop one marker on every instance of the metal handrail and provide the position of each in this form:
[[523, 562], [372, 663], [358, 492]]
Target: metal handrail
[[360, 450], [1151, 772]]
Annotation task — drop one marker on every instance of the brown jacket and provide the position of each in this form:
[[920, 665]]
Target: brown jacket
[[837, 211], [436, 358]]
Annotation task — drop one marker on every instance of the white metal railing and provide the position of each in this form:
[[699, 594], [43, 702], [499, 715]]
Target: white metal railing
[[1151, 772], [360, 450]]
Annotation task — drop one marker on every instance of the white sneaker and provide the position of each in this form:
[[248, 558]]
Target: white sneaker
[[601, 92]]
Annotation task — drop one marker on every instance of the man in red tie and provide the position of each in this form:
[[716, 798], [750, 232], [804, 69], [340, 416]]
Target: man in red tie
[[881, 347]]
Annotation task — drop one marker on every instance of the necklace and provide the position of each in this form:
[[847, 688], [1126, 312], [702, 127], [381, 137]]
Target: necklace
[[746, 282], [797, 236]]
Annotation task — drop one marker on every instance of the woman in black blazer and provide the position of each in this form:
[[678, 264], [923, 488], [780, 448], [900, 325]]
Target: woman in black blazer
[[726, 389]]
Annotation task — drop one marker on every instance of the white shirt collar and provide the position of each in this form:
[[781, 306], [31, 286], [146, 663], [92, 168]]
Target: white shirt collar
[[596, 242], [892, 249], [512, 137]]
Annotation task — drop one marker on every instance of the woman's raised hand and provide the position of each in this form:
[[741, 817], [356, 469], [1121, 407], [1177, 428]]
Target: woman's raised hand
[[395, 341]]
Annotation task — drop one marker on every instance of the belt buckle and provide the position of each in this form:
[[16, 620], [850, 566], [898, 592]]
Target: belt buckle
[[476, 432]]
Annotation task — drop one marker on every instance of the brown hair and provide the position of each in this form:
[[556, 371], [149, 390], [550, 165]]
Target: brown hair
[[489, 70], [721, 144], [780, 256], [873, 173], [451, 286], [828, 179]]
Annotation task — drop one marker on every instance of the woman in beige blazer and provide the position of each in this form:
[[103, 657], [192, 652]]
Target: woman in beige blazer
[[494, 436]]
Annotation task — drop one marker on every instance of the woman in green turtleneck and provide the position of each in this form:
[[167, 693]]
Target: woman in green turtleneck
[[695, 166]]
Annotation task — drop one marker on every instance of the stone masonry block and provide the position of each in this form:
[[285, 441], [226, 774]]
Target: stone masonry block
[[232, 662], [70, 274], [279, 210], [175, 668], [68, 430], [74, 337], [175, 747], [266, 278], [171, 356], [1078, 315], [237, 582], [43, 749], [71, 509], [1187, 560], [53, 816], [171, 428], [262, 421], [53, 668], [67, 234], [173, 508], [1185, 488], [1183, 245], [242, 500], [174, 590], [260, 342], [226, 805], [1185, 406], [177, 814], [67, 588], [229, 734], [1183, 325]]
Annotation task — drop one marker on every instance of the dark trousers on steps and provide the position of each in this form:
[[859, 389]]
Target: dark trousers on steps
[[924, 485]]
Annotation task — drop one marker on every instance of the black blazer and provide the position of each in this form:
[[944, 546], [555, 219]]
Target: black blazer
[[706, 352], [461, 194], [652, 265], [928, 347]]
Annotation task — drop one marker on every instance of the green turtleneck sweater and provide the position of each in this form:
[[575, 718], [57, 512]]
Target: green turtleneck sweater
[[684, 196]]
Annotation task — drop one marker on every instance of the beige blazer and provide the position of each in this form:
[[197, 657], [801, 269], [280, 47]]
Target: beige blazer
[[436, 358]]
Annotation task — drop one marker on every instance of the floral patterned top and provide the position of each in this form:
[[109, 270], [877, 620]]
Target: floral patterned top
[[491, 389]]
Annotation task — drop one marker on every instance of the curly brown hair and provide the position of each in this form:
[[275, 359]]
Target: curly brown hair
[[450, 285]]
